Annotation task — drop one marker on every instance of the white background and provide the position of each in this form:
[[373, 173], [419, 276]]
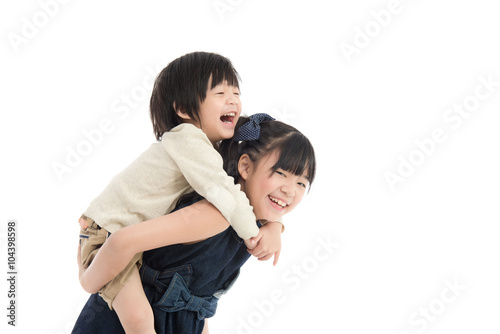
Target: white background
[[397, 249]]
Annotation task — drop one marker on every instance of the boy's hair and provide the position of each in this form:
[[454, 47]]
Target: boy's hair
[[296, 153], [184, 83]]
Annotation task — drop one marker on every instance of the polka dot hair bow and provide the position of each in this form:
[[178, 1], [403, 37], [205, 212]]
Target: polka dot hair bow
[[251, 129]]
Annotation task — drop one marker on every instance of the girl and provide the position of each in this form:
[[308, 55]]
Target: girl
[[194, 105], [274, 164]]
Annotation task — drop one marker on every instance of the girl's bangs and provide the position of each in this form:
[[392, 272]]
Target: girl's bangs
[[297, 156]]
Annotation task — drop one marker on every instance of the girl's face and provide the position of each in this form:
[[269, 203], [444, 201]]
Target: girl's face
[[272, 194]]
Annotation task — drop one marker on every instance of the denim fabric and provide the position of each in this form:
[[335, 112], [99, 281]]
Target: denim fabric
[[181, 282], [97, 318], [176, 296]]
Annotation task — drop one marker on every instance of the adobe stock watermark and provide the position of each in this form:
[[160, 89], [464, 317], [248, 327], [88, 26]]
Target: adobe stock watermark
[[420, 320], [291, 280], [379, 20], [32, 25], [121, 108], [283, 114], [223, 6], [453, 117]]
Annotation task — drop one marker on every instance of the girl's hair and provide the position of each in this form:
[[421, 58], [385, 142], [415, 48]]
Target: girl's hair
[[184, 82], [296, 154]]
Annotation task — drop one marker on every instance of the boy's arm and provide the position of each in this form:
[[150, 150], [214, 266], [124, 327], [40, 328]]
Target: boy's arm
[[196, 222], [269, 243], [202, 166]]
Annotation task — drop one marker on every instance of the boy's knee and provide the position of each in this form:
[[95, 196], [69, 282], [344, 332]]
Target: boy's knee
[[138, 321]]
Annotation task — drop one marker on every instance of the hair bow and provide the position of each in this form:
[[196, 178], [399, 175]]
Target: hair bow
[[251, 129]]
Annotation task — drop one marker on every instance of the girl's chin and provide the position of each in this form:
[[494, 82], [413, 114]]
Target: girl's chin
[[273, 216], [266, 215], [270, 210]]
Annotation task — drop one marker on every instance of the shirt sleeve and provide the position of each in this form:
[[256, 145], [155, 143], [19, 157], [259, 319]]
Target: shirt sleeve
[[202, 167]]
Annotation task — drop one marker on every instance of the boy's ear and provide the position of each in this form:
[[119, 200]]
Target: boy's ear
[[245, 164], [181, 112]]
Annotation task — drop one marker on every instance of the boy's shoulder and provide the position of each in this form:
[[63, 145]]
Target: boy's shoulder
[[184, 127], [185, 133]]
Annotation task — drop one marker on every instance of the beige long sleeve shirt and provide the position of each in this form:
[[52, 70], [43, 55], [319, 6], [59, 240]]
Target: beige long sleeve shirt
[[149, 187]]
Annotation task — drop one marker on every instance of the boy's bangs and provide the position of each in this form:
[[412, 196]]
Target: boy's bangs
[[223, 71], [297, 157]]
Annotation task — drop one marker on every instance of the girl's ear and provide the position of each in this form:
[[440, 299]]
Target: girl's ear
[[245, 165]]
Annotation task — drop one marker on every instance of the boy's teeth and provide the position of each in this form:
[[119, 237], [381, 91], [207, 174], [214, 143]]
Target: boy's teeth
[[230, 114]]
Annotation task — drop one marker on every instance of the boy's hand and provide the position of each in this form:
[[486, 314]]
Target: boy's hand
[[269, 242], [252, 242]]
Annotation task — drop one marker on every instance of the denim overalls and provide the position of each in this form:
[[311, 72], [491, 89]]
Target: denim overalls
[[182, 283]]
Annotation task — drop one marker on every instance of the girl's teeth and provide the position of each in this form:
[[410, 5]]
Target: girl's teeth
[[278, 201]]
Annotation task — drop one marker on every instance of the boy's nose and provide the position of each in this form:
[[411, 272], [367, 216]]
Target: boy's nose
[[232, 100]]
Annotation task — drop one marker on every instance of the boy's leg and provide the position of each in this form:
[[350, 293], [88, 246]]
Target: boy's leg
[[205, 327], [132, 307], [92, 236]]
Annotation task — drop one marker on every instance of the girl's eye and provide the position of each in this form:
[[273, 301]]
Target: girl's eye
[[280, 173], [302, 185], [237, 94]]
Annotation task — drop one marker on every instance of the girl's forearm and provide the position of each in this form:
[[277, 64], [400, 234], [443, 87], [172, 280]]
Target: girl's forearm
[[196, 222]]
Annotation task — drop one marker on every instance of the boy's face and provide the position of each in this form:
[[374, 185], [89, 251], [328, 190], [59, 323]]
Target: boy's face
[[220, 112]]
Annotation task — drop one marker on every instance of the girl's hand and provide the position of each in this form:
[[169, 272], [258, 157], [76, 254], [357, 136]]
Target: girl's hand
[[269, 243]]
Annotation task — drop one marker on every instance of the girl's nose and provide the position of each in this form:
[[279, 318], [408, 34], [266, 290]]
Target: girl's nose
[[288, 189]]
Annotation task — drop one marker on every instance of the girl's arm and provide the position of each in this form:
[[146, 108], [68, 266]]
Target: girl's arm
[[196, 222]]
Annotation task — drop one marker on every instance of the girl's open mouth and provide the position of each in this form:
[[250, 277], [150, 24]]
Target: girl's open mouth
[[277, 203]]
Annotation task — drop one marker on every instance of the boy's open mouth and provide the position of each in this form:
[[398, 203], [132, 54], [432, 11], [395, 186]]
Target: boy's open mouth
[[228, 118]]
